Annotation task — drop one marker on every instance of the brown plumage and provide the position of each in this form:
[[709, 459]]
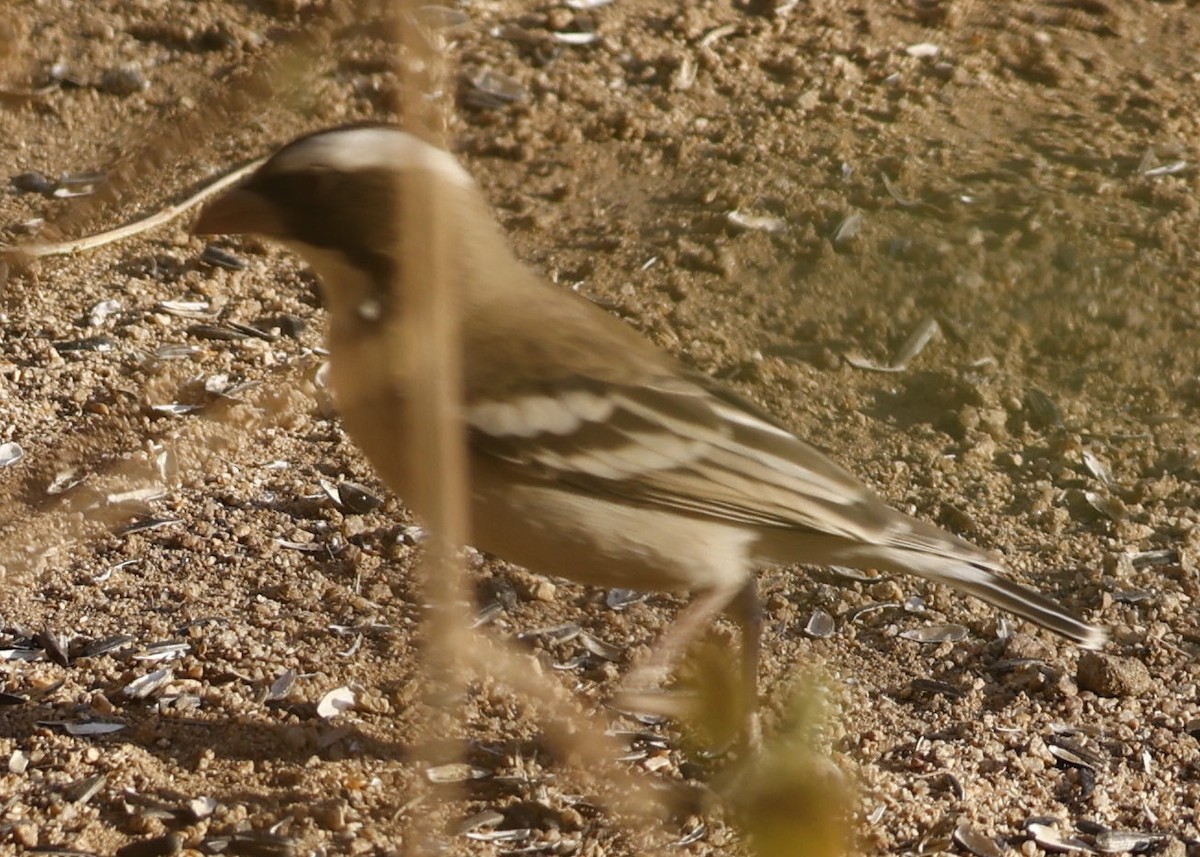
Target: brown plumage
[[594, 455]]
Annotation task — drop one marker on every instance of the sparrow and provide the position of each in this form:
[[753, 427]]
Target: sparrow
[[594, 455]]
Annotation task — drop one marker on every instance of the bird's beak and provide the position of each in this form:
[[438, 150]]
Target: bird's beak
[[239, 212]]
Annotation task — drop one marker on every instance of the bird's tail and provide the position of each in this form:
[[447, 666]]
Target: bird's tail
[[998, 591], [910, 546]]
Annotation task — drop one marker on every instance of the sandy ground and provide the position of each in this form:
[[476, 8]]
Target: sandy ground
[[781, 196]]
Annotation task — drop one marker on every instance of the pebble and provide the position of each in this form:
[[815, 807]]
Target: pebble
[[296, 737], [331, 817], [1026, 646], [25, 833], [1109, 675], [126, 80]]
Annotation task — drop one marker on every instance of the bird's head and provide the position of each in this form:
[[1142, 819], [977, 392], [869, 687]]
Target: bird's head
[[333, 197]]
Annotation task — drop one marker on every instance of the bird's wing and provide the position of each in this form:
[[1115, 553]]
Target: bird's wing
[[676, 442], [688, 445]]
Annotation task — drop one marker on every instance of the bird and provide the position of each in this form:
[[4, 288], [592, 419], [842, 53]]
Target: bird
[[594, 455]]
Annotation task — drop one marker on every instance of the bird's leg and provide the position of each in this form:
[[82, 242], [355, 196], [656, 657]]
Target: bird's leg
[[692, 620], [642, 688], [746, 609]]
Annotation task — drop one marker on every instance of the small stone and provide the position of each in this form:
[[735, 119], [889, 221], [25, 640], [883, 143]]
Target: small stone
[[25, 833], [1026, 646], [332, 817], [981, 450], [296, 737], [1109, 675], [126, 80], [994, 422], [1174, 848], [886, 590], [545, 591]]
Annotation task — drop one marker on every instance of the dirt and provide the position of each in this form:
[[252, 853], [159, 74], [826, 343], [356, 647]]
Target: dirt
[[1024, 174]]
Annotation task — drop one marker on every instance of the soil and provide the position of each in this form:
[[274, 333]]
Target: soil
[[782, 194]]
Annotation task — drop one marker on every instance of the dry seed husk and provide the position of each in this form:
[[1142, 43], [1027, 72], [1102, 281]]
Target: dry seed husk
[[166, 650], [176, 352], [694, 835], [1123, 841], [56, 646], [571, 664], [488, 614], [1107, 505], [200, 808], [1096, 467], [455, 772], [106, 645], [511, 834], [486, 818], [933, 686], [146, 524], [820, 625], [88, 728], [495, 89], [435, 17], [335, 702], [976, 843], [858, 612], [222, 258], [599, 648], [47, 691], [1133, 596], [619, 599], [10, 453], [186, 309], [102, 310], [357, 498], [282, 686], [217, 332], [1050, 839], [1069, 757], [854, 574], [922, 335], [143, 687], [576, 39], [81, 791], [949, 633], [22, 653], [1143, 559], [158, 846], [554, 633], [756, 222], [1042, 411], [848, 229], [64, 481], [255, 843]]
